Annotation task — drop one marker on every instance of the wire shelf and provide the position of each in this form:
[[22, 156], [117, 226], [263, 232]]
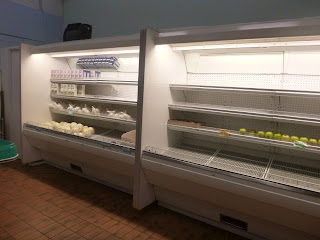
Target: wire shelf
[[294, 175], [94, 117], [240, 163], [184, 153]]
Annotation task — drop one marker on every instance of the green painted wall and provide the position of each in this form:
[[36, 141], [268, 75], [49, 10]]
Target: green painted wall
[[121, 17]]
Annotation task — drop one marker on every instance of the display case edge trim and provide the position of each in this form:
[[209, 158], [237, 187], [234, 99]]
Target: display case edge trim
[[98, 43], [277, 29]]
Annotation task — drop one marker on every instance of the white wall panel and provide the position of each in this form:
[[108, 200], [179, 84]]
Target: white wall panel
[[241, 63]]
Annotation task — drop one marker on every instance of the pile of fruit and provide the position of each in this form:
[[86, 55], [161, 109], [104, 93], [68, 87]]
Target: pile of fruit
[[72, 128], [278, 136]]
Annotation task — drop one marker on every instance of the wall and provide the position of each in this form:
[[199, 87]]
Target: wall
[[123, 17], [30, 21]]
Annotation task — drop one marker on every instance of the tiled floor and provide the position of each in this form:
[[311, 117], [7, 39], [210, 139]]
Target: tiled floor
[[43, 202]]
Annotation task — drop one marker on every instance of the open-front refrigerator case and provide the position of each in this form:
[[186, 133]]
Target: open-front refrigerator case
[[79, 107], [230, 127]]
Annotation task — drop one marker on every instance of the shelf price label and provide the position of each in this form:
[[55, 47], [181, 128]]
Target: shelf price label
[[224, 133], [71, 112], [126, 150], [105, 144]]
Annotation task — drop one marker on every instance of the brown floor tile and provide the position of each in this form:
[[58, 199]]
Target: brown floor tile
[[42, 202], [76, 228], [115, 228], [123, 231], [56, 231], [72, 221], [88, 228], [63, 235], [33, 235], [74, 236], [112, 237], [109, 224], [102, 236], [131, 235], [25, 233], [94, 232], [141, 236]]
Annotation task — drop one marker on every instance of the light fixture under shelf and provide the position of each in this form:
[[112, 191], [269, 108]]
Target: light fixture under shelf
[[263, 91], [269, 115], [213, 46], [94, 82], [94, 53], [100, 99]]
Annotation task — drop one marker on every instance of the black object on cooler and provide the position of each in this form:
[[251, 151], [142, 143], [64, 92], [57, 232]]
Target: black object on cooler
[[77, 31]]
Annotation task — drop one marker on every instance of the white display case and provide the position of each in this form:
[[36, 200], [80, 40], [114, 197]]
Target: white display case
[[213, 82], [108, 103]]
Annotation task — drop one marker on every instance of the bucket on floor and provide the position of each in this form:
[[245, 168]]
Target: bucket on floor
[[8, 151]]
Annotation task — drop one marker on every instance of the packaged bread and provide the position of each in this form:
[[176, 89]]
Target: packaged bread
[[129, 137]]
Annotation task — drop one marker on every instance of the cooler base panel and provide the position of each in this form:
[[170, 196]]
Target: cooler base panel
[[211, 214]]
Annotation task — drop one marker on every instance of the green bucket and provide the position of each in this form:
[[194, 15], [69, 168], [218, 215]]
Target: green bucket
[[8, 151]]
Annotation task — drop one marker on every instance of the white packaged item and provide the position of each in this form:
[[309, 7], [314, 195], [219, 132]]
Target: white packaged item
[[68, 74], [62, 89], [86, 73], [54, 88], [91, 130], [76, 74], [59, 107], [81, 74], [77, 110], [59, 73], [53, 105], [97, 74], [95, 111], [71, 107], [124, 115], [81, 90], [73, 90], [111, 114], [85, 110], [79, 62], [64, 74], [79, 126], [67, 89], [56, 126], [92, 74], [73, 74], [91, 63], [85, 128]]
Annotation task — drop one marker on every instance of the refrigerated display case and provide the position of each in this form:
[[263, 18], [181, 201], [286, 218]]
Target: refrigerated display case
[[230, 126], [78, 100]]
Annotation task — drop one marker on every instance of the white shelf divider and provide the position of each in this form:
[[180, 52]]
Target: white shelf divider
[[95, 117], [270, 115], [99, 99]]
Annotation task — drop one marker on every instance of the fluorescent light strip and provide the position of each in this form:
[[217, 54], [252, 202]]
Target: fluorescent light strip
[[80, 54], [248, 45]]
